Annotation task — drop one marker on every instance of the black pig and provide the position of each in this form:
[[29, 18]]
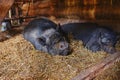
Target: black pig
[[46, 36], [94, 37]]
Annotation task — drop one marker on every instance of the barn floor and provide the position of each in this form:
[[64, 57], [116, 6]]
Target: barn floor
[[20, 61]]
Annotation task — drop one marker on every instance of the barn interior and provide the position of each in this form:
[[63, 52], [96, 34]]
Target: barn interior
[[20, 61]]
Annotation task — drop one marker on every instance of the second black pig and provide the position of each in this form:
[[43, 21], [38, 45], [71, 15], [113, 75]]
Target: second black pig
[[94, 37]]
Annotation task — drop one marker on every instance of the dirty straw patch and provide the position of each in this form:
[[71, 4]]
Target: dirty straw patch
[[113, 73], [19, 60]]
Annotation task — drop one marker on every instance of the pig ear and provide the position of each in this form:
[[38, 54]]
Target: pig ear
[[42, 41], [58, 28], [118, 36]]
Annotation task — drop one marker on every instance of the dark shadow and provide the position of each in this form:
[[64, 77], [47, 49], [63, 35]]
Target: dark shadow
[[10, 33]]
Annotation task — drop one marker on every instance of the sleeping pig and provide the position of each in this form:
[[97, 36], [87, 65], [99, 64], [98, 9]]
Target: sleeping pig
[[94, 37], [46, 36]]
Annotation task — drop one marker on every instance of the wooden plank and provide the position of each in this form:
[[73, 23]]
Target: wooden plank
[[5, 5], [92, 72]]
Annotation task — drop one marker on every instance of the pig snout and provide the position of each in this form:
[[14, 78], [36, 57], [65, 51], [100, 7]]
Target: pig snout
[[65, 49], [63, 46]]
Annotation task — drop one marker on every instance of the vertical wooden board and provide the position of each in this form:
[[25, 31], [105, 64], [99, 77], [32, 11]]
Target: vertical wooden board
[[5, 5]]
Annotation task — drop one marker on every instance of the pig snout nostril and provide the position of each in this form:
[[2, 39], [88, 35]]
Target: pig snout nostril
[[62, 46]]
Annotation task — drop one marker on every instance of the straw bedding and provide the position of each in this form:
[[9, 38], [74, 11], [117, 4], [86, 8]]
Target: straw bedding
[[19, 60]]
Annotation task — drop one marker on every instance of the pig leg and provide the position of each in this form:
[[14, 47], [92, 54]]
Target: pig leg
[[95, 47], [93, 42]]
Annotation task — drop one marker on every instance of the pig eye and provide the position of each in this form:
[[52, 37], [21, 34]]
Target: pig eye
[[55, 35], [42, 41]]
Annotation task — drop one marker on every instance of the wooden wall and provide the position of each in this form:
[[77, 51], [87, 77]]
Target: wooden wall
[[5, 5], [73, 8]]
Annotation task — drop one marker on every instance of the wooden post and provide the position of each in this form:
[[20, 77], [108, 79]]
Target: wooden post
[[10, 15]]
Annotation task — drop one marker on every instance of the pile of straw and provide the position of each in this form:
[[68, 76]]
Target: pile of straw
[[19, 60]]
